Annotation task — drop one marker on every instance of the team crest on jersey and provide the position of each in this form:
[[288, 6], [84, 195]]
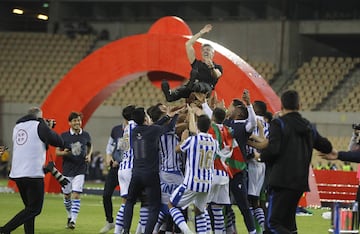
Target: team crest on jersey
[[76, 148], [21, 137], [139, 136]]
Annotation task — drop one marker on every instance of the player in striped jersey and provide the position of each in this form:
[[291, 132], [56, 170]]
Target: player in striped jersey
[[256, 170], [171, 162], [200, 151], [125, 166], [219, 194]]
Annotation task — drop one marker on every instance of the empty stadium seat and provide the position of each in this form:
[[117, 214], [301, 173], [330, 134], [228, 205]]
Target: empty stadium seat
[[30, 60]]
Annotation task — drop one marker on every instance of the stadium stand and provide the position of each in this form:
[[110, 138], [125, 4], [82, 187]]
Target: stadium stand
[[316, 79], [32, 63], [267, 70], [139, 92]]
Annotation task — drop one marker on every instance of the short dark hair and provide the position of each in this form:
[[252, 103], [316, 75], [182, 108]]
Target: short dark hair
[[268, 115], [154, 112], [203, 123], [138, 115], [260, 107], [237, 102], [127, 112], [219, 115], [74, 115], [290, 100]]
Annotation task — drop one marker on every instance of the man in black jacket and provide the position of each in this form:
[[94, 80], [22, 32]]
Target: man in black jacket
[[291, 141], [204, 73], [145, 173]]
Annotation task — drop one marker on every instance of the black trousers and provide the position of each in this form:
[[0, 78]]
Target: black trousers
[[238, 188], [281, 218], [32, 194], [110, 184], [150, 184]]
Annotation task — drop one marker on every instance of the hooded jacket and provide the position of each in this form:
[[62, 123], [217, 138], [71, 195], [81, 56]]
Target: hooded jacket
[[288, 155]]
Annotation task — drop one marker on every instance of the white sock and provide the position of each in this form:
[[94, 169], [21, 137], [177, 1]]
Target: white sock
[[219, 225], [75, 209], [119, 223], [144, 213], [179, 219]]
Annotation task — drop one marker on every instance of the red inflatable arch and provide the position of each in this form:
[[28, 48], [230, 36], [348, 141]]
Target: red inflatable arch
[[160, 50]]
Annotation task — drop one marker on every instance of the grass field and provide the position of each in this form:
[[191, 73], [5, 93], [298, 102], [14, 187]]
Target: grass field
[[91, 217]]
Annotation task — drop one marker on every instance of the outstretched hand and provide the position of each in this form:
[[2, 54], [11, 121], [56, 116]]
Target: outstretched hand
[[246, 97], [330, 156], [207, 28]]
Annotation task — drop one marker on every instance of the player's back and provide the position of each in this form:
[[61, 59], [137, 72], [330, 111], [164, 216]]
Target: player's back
[[200, 150], [170, 159], [127, 160]]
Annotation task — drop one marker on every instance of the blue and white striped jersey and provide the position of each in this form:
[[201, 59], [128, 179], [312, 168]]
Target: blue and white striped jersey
[[170, 159], [249, 149], [200, 152], [127, 161]]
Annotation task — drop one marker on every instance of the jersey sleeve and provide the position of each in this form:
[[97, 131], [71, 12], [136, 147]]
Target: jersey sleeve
[[186, 144]]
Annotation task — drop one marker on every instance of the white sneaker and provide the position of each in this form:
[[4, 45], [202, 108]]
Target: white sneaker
[[108, 226]]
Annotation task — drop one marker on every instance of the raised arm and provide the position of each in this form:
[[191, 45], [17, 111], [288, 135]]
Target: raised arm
[[251, 123], [190, 51]]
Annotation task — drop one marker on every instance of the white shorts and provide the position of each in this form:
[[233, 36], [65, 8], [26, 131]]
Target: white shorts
[[124, 176], [168, 183], [76, 184], [183, 197], [219, 192], [256, 176]]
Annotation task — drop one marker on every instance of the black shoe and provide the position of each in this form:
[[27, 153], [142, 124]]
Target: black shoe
[[68, 223], [72, 225], [166, 89], [2, 231]]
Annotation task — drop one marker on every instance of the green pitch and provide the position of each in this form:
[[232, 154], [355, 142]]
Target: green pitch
[[91, 217]]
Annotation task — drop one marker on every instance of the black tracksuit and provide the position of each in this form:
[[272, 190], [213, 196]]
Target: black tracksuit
[[145, 172], [350, 156], [288, 156], [112, 177]]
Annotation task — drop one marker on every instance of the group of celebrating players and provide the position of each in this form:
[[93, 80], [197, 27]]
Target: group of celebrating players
[[195, 154]]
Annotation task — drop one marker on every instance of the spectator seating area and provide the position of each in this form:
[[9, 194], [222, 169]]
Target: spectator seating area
[[316, 79], [139, 92], [32, 63], [266, 69], [351, 102]]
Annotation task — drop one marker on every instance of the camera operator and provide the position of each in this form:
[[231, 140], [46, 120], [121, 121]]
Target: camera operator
[[354, 144], [31, 137]]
